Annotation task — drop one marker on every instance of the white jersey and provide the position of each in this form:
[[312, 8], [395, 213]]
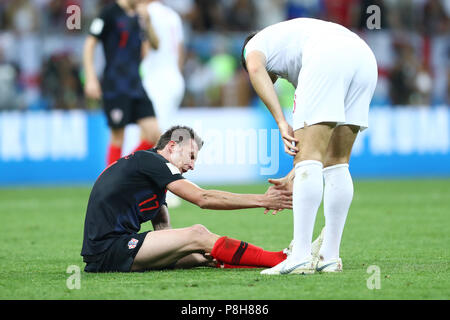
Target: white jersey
[[169, 29], [283, 43]]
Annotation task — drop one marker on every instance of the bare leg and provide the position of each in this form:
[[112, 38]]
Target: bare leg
[[117, 137], [341, 144], [165, 247]]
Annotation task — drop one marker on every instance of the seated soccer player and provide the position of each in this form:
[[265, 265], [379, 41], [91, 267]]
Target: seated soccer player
[[132, 191]]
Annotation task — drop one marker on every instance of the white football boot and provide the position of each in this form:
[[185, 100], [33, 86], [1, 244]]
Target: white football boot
[[304, 267], [333, 265], [317, 244], [315, 247], [276, 269]]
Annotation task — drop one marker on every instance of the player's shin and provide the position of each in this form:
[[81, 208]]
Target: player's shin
[[307, 196], [338, 195], [237, 252]]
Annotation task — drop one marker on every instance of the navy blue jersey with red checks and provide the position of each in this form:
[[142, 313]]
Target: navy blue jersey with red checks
[[128, 193], [121, 37]]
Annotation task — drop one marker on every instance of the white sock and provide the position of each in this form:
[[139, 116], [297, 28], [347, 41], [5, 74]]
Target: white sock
[[307, 196], [338, 195]]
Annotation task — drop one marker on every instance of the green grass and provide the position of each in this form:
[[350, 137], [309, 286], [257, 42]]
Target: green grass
[[400, 226]]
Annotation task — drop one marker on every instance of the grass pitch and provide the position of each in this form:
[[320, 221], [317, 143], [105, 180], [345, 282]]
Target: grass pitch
[[402, 227]]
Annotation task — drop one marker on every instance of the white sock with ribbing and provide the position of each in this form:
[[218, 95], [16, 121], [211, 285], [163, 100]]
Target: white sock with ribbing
[[307, 196], [338, 195]]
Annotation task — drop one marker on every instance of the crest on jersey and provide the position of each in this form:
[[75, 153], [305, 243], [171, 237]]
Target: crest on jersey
[[132, 243]]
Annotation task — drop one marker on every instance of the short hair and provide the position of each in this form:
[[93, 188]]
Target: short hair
[[178, 134], [249, 37]]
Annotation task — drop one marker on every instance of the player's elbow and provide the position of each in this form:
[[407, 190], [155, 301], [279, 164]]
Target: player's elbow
[[254, 66]]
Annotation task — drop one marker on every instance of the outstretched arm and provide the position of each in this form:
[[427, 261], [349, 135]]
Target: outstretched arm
[[273, 199]]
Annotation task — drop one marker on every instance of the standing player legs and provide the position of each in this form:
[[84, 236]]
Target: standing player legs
[[338, 191], [308, 185], [115, 146]]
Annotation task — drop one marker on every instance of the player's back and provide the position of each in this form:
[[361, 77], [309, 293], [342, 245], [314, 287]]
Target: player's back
[[284, 43]]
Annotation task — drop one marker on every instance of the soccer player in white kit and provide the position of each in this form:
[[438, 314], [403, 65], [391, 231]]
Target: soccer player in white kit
[[162, 68], [335, 74]]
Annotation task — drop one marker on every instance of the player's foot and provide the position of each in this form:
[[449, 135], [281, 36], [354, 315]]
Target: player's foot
[[276, 269], [315, 246], [333, 265], [289, 267], [287, 251]]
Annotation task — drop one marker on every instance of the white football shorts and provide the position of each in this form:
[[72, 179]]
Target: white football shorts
[[336, 83]]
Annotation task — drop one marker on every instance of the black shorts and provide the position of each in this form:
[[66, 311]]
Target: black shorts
[[119, 257], [122, 110]]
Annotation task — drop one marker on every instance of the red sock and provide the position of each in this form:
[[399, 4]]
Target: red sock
[[114, 154], [238, 252], [144, 145]]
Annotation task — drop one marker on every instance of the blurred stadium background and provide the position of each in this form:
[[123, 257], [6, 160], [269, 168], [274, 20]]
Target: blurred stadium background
[[49, 132]]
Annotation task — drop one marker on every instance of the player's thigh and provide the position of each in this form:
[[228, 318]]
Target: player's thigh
[[165, 247], [313, 141], [340, 146]]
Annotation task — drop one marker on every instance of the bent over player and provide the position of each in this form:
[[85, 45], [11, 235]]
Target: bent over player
[[132, 191], [335, 74], [125, 101]]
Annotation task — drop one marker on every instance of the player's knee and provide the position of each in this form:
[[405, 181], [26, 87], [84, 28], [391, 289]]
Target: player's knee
[[199, 230], [199, 235]]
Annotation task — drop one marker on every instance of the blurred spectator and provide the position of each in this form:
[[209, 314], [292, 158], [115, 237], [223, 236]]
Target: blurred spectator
[[270, 12], [61, 86], [241, 15], [9, 89], [33, 35], [435, 19], [410, 80], [208, 15], [340, 11]]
